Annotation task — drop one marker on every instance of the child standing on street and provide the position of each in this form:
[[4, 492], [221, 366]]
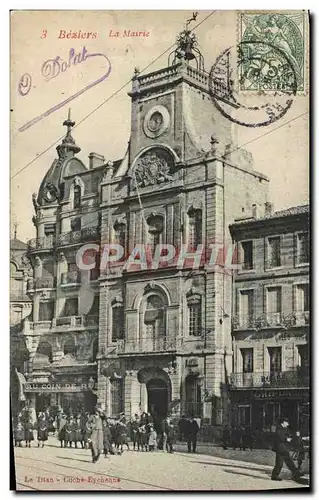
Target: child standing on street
[[152, 439]]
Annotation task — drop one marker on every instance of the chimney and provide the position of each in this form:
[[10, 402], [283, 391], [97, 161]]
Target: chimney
[[96, 160], [269, 208]]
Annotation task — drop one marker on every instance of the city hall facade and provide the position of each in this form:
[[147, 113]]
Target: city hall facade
[[141, 338]]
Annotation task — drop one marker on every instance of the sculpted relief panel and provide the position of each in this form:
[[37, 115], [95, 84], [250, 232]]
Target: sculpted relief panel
[[152, 168]]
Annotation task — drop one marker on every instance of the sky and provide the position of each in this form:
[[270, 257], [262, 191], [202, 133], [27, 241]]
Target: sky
[[280, 150]]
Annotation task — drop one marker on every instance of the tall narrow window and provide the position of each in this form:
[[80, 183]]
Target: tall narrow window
[[70, 307], [117, 322], [76, 224], [274, 305], [194, 304], [77, 197], [274, 252], [46, 310], [120, 235], [302, 249], [117, 400], [194, 228], [156, 228], [154, 319], [274, 359], [247, 359], [246, 307], [69, 347], [247, 255], [302, 297]]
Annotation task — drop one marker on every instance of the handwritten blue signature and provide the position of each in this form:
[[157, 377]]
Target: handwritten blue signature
[[51, 69]]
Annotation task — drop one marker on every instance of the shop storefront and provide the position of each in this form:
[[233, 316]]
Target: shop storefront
[[261, 409], [70, 397]]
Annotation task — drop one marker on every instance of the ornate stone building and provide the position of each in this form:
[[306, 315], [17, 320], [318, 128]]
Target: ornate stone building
[[165, 333], [271, 320], [62, 335], [155, 338]]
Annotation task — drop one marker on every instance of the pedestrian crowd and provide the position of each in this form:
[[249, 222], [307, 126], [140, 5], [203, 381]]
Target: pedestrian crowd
[[147, 433]]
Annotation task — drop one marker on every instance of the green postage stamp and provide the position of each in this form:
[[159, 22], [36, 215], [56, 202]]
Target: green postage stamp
[[273, 51]]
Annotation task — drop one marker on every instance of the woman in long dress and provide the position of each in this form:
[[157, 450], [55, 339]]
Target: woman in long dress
[[43, 430]]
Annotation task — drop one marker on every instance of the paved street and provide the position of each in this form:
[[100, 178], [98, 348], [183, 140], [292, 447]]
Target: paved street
[[58, 468]]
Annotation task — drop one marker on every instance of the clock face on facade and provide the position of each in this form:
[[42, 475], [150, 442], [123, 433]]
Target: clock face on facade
[[156, 121]]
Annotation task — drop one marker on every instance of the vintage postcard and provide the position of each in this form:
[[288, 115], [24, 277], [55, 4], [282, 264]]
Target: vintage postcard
[[160, 250]]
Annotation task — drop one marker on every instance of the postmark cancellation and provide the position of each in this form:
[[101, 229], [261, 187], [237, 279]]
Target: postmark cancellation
[[273, 50]]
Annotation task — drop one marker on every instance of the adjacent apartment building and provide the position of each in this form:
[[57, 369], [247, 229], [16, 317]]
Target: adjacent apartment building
[[270, 333]]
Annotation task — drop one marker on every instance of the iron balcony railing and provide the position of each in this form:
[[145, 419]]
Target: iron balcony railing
[[295, 378], [145, 345], [84, 235], [65, 321], [38, 283], [70, 277], [271, 320], [44, 242]]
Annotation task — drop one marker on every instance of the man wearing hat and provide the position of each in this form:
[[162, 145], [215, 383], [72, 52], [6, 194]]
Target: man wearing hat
[[282, 452]]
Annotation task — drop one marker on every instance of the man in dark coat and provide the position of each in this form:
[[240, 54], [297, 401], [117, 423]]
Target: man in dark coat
[[282, 452], [191, 435], [226, 437], [182, 425]]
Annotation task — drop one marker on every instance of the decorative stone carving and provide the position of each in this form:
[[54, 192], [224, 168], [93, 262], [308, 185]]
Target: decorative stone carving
[[150, 286], [35, 201], [152, 168], [37, 261], [51, 192]]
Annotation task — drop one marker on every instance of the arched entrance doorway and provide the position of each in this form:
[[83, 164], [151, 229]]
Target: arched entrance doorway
[[157, 397]]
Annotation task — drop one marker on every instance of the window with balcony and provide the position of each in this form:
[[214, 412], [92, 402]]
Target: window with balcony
[[302, 297], [154, 319], [76, 224], [247, 255], [155, 231], [69, 347], [70, 307], [246, 307], [46, 310], [120, 235], [44, 353], [273, 305], [273, 252], [117, 322], [194, 304], [302, 248], [275, 359], [77, 197], [117, 396], [194, 228], [247, 360]]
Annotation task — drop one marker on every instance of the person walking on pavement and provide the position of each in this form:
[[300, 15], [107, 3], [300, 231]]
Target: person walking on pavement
[[281, 449], [19, 434], [247, 438], [299, 450], [97, 434], [28, 432], [191, 435], [43, 430], [226, 437], [61, 430], [170, 436], [164, 430]]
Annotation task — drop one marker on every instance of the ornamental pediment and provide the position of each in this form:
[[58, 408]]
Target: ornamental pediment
[[153, 167]]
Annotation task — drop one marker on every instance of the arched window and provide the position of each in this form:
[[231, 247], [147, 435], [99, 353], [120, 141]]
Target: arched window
[[154, 317], [194, 304], [77, 197], [69, 347], [44, 353], [194, 228]]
